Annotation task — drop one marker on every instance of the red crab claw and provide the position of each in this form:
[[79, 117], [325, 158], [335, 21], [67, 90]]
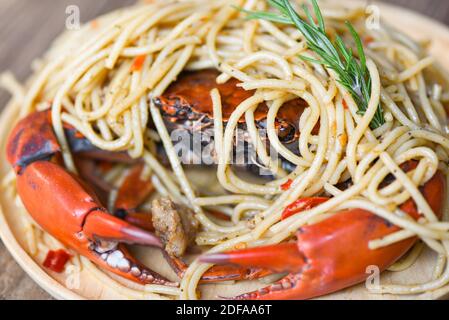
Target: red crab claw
[[332, 254], [66, 208]]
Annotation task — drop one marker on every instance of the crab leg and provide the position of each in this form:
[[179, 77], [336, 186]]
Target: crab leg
[[220, 273], [133, 191], [67, 209], [332, 254]]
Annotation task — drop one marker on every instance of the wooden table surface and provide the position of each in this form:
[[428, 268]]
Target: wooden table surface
[[27, 28]]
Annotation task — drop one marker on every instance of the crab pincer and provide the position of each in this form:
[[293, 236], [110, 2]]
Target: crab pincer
[[65, 207], [332, 254]]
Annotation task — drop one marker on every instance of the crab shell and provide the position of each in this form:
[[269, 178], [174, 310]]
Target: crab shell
[[188, 100]]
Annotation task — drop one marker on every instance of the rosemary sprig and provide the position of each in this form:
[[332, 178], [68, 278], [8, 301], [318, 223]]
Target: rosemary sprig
[[352, 72]]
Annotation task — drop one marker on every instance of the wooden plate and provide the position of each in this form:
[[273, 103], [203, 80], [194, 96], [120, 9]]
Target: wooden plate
[[94, 286]]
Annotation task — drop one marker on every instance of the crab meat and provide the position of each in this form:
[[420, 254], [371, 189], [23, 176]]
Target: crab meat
[[175, 225]]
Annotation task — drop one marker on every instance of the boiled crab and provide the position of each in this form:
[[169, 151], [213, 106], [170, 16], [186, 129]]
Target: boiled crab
[[323, 257]]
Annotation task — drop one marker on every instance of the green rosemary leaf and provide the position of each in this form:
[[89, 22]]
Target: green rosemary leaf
[[359, 45], [309, 16], [319, 16], [270, 16], [352, 72], [278, 5], [312, 60]]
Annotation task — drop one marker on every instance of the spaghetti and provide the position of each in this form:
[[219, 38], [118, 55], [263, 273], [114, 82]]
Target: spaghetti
[[90, 81]]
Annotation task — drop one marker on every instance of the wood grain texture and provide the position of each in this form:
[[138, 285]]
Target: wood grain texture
[[27, 27]]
